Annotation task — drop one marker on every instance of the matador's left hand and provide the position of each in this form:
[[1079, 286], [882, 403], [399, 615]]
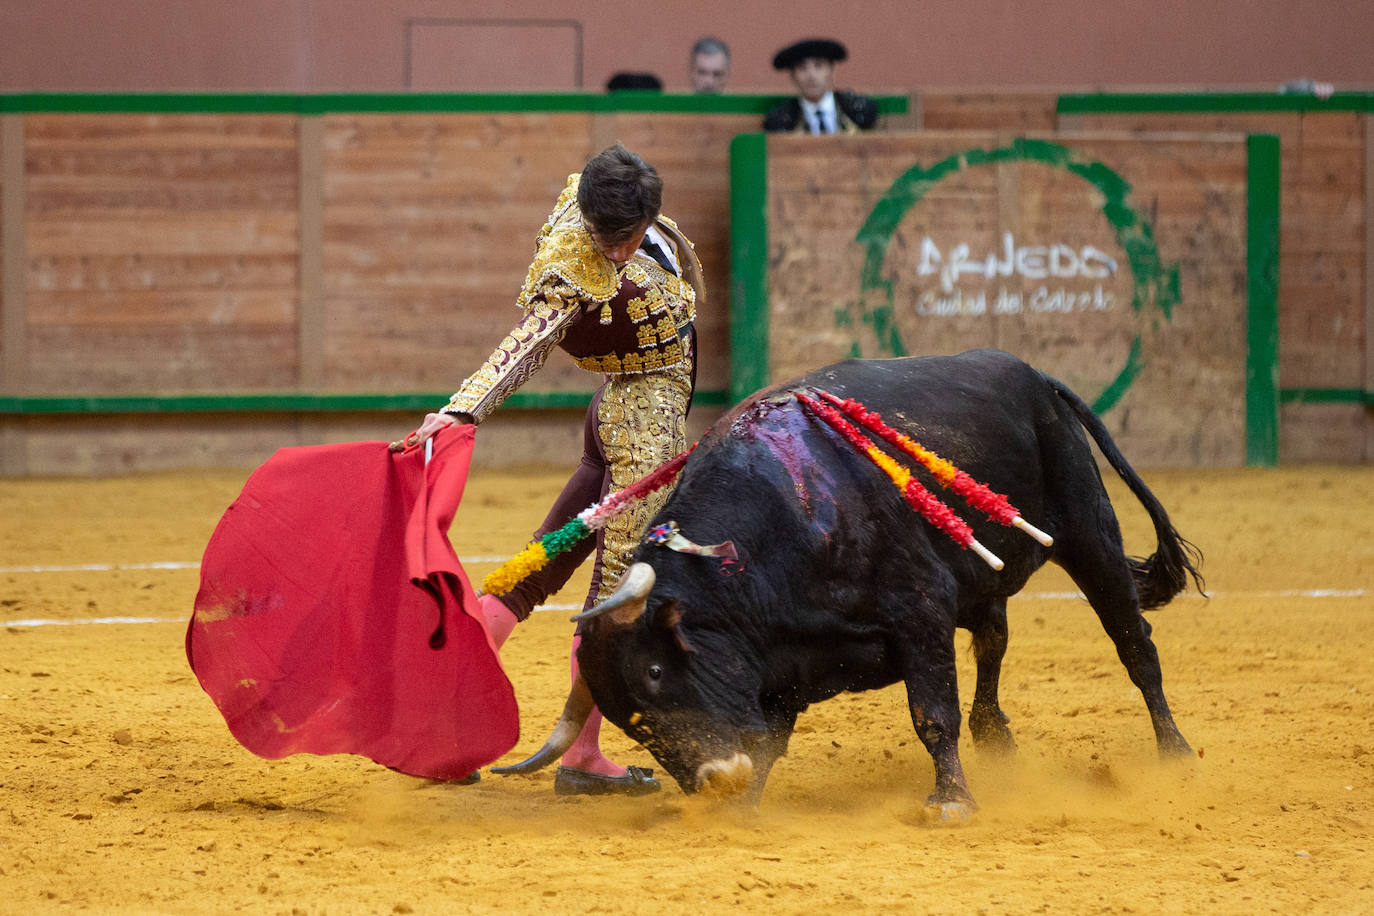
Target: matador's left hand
[[432, 424]]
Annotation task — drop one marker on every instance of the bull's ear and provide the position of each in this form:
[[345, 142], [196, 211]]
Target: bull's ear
[[669, 617]]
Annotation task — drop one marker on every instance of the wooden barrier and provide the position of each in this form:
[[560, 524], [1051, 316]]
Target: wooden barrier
[[1115, 263], [316, 262]]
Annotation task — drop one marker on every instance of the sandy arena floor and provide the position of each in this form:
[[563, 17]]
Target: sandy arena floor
[[121, 791]]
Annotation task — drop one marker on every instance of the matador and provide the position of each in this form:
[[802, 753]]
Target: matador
[[616, 285]]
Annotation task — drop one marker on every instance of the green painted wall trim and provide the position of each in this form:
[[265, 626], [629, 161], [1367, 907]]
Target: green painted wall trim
[[295, 402], [748, 265], [1204, 102], [148, 103], [402, 102], [1325, 396], [338, 403], [1262, 295]]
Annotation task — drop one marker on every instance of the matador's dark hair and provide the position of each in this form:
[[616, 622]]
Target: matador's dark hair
[[619, 193]]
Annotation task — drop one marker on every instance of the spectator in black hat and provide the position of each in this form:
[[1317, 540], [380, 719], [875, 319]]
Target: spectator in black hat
[[819, 108], [628, 80]]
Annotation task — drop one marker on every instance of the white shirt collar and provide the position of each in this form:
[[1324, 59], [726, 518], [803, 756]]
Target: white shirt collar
[[825, 107], [661, 241]]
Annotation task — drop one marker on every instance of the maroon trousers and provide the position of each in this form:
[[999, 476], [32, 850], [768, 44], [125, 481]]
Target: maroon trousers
[[589, 483]]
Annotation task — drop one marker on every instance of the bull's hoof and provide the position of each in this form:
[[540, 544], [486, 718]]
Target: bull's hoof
[[950, 807], [1174, 747], [949, 813], [988, 726], [636, 781]]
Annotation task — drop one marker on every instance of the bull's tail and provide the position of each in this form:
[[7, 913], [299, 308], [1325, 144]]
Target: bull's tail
[[1165, 573]]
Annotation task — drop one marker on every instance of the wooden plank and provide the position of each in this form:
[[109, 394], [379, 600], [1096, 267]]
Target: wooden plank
[[130, 359], [1369, 285], [604, 132], [14, 459], [988, 110], [78, 272], [13, 305], [310, 286], [160, 308], [3, 169], [13, 317], [122, 232], [162, 252], [1286, 125], [128, 133], [113, 445]]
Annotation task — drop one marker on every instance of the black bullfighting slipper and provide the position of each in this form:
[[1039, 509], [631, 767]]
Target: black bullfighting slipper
[[636, 781]]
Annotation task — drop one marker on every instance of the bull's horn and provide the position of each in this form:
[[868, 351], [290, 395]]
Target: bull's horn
[[575, 713], [633, 590]]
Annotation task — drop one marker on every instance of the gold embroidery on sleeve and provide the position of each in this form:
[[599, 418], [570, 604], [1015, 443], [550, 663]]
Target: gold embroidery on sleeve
[[521, 354]]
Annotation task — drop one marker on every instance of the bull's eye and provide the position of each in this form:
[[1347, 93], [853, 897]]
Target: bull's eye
[[655, 672]]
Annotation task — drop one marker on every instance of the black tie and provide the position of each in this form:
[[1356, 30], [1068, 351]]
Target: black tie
[[657, 253]]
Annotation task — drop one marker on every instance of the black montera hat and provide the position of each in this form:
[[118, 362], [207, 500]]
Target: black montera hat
[[793, 54], [626, 80]]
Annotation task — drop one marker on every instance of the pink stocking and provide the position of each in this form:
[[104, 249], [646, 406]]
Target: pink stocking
[[500, 620], [585, 753]]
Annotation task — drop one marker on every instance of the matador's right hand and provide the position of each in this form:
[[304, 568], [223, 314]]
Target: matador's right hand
[[432, 424]]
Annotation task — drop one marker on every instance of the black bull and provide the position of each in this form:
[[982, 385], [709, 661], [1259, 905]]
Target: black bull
[[842, 586]]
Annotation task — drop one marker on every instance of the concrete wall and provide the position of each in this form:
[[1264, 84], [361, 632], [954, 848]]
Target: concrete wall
[[485, 45]]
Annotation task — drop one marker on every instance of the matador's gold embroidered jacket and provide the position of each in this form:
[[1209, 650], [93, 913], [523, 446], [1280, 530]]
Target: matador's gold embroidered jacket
[[630, 321]]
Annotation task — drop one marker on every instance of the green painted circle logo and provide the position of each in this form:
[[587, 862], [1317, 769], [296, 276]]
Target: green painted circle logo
[[1152, 282]]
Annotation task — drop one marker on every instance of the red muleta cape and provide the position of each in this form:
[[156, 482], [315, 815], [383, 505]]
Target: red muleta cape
[[310, 633]]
